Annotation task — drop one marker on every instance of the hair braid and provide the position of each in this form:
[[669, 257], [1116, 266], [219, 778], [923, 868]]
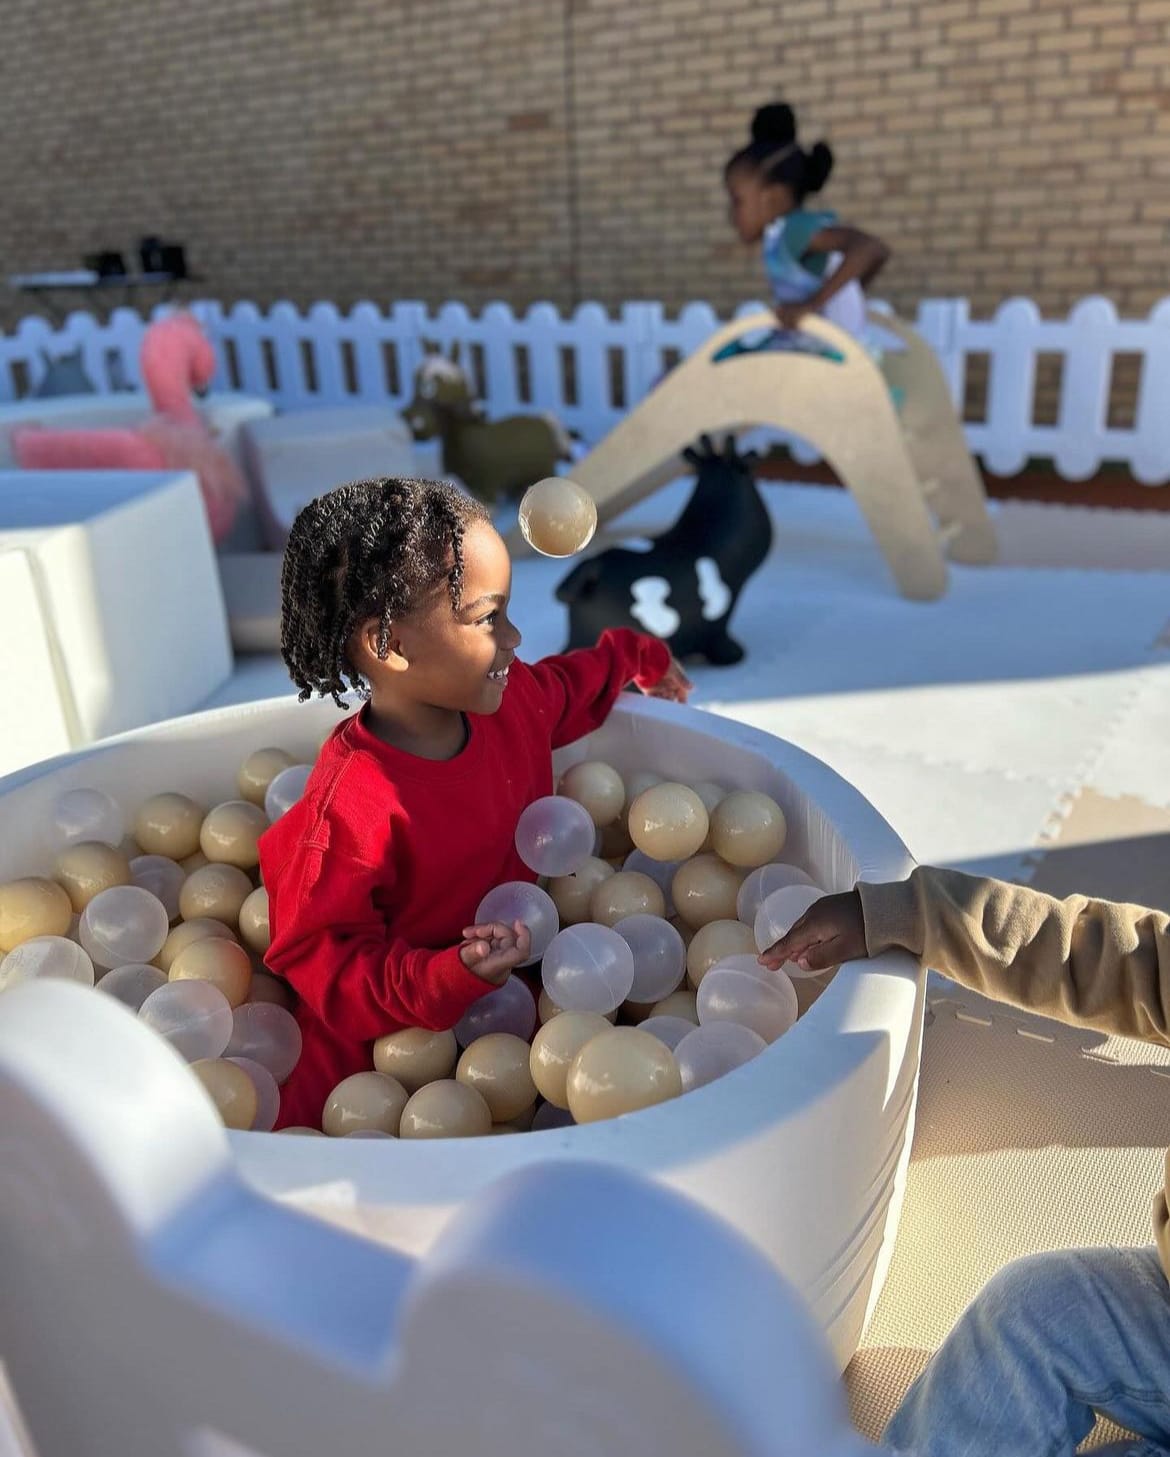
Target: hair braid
[[367, 549]]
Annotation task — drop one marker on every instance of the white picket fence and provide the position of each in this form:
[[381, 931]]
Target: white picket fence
[[588, 368]]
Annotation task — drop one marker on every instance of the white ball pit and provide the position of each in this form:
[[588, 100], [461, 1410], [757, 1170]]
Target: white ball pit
[[803, 1150]]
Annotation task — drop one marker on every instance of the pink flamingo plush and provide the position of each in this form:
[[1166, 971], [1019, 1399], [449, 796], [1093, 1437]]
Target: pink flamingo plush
[[176, 358]]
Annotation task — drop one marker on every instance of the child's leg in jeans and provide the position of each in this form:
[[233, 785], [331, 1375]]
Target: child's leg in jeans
[[1052, 1339]]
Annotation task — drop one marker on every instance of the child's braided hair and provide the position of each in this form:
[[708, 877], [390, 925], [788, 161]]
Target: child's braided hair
[[368, 549]]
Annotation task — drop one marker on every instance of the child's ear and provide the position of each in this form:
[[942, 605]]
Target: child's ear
[[379, 650]]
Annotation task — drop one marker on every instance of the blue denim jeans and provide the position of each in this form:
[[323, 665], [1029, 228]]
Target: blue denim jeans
[[1052, 1340]]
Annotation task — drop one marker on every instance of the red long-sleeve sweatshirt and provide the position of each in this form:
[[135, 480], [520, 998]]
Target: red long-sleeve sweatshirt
[[374, 873]]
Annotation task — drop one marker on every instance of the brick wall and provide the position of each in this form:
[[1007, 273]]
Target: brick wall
[[347, 148]]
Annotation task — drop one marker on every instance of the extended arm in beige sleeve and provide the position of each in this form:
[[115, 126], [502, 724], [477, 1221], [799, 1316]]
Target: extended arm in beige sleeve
[[1097, 963]]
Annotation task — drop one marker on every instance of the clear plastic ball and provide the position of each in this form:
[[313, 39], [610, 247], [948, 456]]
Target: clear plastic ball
[[267, 1034], [760, 884], [161, 876], [124, 924], [509, 1008], [285, 789], [588, 968], [661, 872], [88, 814], [267, 1094], [707, 1053], [668, 1030], [55, 958], [555, 836], [557, 517], [131, 985], [781, 910], [193, 1016], [740, 990], [660, 958], [520, 900]]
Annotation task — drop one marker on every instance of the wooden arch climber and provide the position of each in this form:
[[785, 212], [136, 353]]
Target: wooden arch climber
[[913, 477]]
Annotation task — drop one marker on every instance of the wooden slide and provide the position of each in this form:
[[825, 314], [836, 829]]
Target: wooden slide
[[842, 406]]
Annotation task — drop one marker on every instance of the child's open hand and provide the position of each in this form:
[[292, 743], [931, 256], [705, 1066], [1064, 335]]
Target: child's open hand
[[830, 931], [492, 950], [674, 685]]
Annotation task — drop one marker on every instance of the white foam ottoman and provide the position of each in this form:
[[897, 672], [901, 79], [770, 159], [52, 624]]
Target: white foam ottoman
[[293, 458], [126, 578]]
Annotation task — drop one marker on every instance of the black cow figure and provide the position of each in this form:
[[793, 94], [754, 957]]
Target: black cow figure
[[684, 589]]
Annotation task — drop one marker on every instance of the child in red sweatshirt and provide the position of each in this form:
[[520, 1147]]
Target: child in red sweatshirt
[[400, 589]]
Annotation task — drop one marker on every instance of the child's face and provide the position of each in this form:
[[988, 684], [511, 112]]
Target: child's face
[[454, 658], [752, 204]]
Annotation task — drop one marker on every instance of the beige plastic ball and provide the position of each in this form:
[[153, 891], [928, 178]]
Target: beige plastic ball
[[362, 1101], [679, 1004], [301, 1130], [184, 934], [571, 894], [231, 1090], [668, 822], [704, 889], [231, 833], [626, 893], [216, 891], [446, 1109], [496, 1066], [416, 1057], [557, 517], [254, 931], [224, 964], [89, 867], [258, 771], [192, 863], [32, 907], [556, 1045], [168, 824], [715, 941], [618, 1072], [748, 829], [599, 787]]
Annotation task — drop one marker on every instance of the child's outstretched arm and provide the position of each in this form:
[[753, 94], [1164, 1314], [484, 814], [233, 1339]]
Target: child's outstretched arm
[[862, 258], [332, 945], [579, 688], [1098, 963]]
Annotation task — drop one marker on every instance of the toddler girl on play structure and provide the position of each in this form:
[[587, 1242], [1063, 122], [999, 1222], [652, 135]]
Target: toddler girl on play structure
[[768, 182]]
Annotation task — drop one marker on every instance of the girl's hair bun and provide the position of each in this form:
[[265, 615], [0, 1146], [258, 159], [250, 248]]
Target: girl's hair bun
[[774, 124]]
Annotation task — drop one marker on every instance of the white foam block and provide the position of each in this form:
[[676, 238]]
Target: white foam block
[[294, 458], [128, 584], [34, 709]]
